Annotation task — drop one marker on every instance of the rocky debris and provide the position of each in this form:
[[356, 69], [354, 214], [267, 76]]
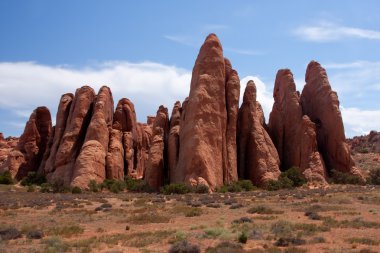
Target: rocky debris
[[28, 153], [257, 156], [91, 162], [6, 146], [74, 135], [293, 134], [155, 171], [369, 143], [203, 126], [173, 143], [320, 103]]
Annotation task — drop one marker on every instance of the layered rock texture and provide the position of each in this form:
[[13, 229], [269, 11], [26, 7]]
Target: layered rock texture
[[208, 140], [258, 157], [293, 133], [320, 103], [207, 137]]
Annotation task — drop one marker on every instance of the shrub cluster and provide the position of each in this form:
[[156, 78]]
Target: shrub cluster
[[345, 178], [238, 186], [6, 178], [33, 178], [374, 176], [288, 179], [116, 186]]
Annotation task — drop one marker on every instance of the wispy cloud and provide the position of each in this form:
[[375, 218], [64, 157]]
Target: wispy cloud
[[327, 31], [247, 52], [182, 39], [358, 122]]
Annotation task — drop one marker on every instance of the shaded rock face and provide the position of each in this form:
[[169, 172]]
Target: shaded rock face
[[74, 135], [293, 134], [28, 153], [321, 104], [173, 144], [257, 156], [203, 155], [91, 162], [47, 167], [155, 173]]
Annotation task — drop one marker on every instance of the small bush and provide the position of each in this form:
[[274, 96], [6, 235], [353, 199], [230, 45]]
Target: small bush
[[225, 247], [76, 190], [260, 209], [242, 238], [33, 178], [178, 188], [31, 188], [9, 234], [35, 234], [46, 187], [93, 186], [246, 185], [192, 212], [6, 178], [288, 179], [201, 188], [363, 240], [137, 185], [184, 247], [114, 186], [237, 186], [345, 178], [313, 215], [295, 176], [374, 176], [60, 187]]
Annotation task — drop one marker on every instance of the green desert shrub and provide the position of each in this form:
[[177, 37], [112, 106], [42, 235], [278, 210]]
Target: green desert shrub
[[345, 178], [114, 186], [238, 186], [178, 188], [76, 190], [33, 178], [374, 176], [288, 179], [6, 178], [242, 238], [137, 185], [93, 186]]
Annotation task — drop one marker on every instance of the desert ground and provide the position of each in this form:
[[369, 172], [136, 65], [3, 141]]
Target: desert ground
[[338, 218]]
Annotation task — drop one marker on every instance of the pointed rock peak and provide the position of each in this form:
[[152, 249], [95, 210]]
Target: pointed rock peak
[[315, 70], [210, 42], [250, 92], [284, 81]]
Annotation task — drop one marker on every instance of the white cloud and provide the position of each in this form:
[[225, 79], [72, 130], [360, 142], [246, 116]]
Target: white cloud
[[328, 31], [358, 122], [263, 95], [183, 40], [26, 85]]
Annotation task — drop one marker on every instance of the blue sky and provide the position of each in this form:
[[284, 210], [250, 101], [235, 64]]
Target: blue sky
[[145, 50]]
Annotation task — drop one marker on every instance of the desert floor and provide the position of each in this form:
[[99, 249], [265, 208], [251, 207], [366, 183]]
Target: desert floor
[[340, 218]]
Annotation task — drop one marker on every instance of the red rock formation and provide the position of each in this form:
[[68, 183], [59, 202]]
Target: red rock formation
[[203, 145], [91, 162], [292, 133], [28, 153], [63, 112], [369, 143], [257, 156], [232, 105], [173, 143], [74, 135], [321, 104], [155, 170]]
